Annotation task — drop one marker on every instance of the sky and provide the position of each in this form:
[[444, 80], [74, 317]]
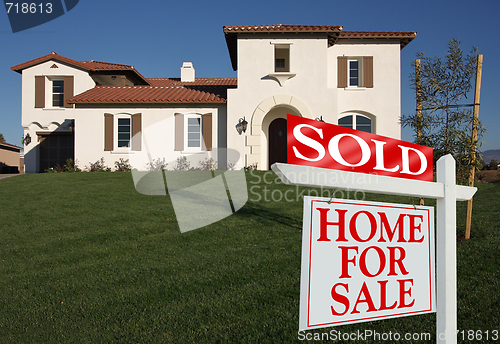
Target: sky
[[156, 36]]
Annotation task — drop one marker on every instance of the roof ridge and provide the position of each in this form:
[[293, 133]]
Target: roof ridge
[[113, 63]]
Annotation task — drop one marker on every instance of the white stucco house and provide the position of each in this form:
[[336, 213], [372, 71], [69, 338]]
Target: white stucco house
[[88, 109]]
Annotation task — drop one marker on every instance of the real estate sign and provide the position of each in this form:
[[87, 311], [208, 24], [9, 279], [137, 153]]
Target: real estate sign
[[364, 261], [319, 144]]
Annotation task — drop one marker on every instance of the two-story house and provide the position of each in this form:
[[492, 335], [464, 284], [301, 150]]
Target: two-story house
[[88, 109]]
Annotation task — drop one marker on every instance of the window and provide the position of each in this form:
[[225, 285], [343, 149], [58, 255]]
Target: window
[[58, 93], [123, 132], [355, 72], [282, 58], [194, 132], [356, 122], [53, 91]]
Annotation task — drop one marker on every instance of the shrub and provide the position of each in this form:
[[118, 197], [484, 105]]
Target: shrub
[[97, 166], [122, 165], [157, 165], [182, 164], [208, 164], [71, 165], [251, 167]]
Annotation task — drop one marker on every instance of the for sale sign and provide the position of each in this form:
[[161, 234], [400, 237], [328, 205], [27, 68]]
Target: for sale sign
[[364, 261]]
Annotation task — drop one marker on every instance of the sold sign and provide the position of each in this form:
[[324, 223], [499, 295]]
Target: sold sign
[[24, 15], [319, 144]]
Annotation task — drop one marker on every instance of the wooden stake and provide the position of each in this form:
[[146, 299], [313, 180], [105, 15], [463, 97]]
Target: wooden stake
[[474, 142], [418, 86]]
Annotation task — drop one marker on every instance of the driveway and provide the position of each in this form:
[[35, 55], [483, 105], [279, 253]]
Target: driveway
[[2, 176]]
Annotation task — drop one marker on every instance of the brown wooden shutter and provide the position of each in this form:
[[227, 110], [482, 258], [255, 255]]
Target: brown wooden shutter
[[108, 132], [207, 131], [136, 132], [342, 71], [179, 132], [39, 91], [368, 71], [68, 90]]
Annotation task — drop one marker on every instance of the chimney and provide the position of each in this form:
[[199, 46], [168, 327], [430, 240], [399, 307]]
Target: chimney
[[187, 72]]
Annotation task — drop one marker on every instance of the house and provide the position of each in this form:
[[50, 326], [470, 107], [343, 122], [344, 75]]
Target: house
[[89, 109], [10, 159]]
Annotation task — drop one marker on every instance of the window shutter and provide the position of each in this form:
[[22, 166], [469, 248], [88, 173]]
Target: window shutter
[[39, 91], [207, 131], [342, 71], [136, 132], [368, 71], [68, 90], [108, 132], [179, 132]]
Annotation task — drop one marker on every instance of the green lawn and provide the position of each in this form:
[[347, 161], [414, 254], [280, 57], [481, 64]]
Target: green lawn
[[84, 258]]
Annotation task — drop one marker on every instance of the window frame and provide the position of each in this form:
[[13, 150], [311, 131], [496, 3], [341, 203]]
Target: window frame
[[360, 76], [198, 148], [279, 49], [60, 94], [354, 122], [116, 132]]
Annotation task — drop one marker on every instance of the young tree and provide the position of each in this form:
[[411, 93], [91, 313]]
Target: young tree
[[2, 139], [445, 122]]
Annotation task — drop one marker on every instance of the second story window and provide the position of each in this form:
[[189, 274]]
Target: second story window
[[282, 58], [58, 93], [354, 74]]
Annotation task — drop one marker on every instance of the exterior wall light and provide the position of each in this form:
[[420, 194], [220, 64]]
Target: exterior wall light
[[241, 127], [71, 126], [27, 139]]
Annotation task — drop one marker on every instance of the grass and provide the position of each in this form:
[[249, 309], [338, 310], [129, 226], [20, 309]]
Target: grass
[[84, 258]]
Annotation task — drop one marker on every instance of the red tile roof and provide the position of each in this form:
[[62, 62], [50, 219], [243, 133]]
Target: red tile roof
[[197, 82], [89, 66], [145, 94], [282, 28], [404, 37], [98, 65], [10, 145], [52, 56]]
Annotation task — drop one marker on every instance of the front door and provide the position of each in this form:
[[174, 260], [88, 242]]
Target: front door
[[277, 141]]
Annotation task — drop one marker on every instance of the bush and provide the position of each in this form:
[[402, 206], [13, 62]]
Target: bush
[[157, 165], [251, 167], [208, 164], [97, 166], [71, 165], [182, 164], [122, 165]]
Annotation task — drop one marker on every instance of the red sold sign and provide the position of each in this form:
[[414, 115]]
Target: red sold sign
[[320, 144]]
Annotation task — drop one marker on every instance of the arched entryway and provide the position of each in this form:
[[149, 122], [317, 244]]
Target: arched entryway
[[277, 141]]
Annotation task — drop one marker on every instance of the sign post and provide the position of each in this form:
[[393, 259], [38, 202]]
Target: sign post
[[444, 190]]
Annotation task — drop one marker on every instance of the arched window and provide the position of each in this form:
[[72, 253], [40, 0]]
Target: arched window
[[357, 122]]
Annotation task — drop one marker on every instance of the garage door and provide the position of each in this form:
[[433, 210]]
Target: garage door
[[55, 149]]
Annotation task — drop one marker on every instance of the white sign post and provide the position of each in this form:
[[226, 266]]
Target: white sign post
[[444, 190]]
